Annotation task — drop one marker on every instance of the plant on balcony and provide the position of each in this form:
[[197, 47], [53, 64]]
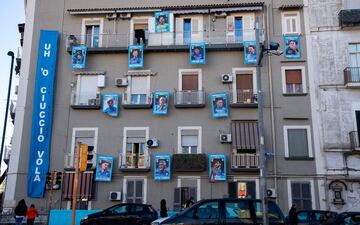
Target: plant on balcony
[[189, 162]]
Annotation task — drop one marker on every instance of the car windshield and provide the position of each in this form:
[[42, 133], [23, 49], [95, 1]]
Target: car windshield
[[273, 210], [119, 209]]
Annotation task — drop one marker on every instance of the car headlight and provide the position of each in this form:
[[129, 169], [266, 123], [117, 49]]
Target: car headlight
[[85, 218]]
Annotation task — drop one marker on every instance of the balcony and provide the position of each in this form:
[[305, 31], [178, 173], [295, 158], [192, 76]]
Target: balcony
[[136, 101], [354, 141], [189, 162], [85, 100], [349, 16], [131, 162], [189, 99], [244, 98], [352, 77], [167, 41], [245, 162]]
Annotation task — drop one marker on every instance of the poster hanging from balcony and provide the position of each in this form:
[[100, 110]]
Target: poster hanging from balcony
[[197, 53], [162, 22], [217, 168], [249, 52], [136, 56], [161, 102], [104, 166], [162, 167], [78, 57], [110, 104], [219, 105], [292, 47]]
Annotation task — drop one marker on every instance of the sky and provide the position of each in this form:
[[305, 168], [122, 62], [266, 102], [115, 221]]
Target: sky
[[11, 14]]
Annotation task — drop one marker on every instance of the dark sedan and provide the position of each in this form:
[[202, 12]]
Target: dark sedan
[[347, 218], [126, 213], [312, 217]]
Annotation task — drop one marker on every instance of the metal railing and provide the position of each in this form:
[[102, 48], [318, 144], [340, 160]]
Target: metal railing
[[243, 96], [189, 97], [352, 75], [245, 160], [136, 99], [85, 99], [160, 38], [354, 140], [133, 161]]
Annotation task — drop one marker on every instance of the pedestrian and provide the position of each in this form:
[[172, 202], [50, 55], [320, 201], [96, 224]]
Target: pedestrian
[[163, 209], [189, 202], [32, 213], [20, 212], [293, 219]]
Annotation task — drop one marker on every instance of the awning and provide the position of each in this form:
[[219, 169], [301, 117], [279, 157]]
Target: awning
[[245, 135], [85, 185], [286, 4], [89, 72], [140, 73], [237, 9], [191, 11]]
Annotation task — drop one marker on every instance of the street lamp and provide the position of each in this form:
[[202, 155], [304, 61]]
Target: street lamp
[[10, 53]]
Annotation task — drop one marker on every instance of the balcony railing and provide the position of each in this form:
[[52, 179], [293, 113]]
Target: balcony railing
[[136, 101], [354, 141], [352, 76], [122, 40], [244, 98], [245, 162], [189, 99], [85, 100], [134, 162]]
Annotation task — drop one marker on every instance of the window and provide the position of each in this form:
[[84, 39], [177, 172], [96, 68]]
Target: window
[[208, 210], [189, 29], [86, 90], [245, 135], [244, 86], [297, 141], [138, 92], [189, 140], [240, 27], [135, 189], [242, 189], [190, 88], [136, 154], [237, 210], [92, 32], [301, 195], [274, 213], [293, 78], [354, 51], [290, 22], [85, 136]]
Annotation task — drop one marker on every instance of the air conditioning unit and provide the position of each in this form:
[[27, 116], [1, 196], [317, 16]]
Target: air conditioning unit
[[271, 193], [111, 16], [225, 138], [121, 82], [220, 14], [115, 196], [153, 142], [125, 15], [226, 78]]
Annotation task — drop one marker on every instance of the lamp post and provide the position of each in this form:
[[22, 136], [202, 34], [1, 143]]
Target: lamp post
[[10, 53]]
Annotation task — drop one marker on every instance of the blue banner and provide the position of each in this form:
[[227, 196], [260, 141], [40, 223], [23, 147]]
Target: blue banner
[[42, 113], [197, 53], [104, 165], [217, 168], [292, 47], [161, 102], [78, 57], [162, 167], [250, 52], [219, 105]]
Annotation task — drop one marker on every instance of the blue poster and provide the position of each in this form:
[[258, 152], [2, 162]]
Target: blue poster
[[219, 106], [197, 53], [104, 166], [250, 52], [162, 22], [42, 113], [217, 168], [292, 47], [136, 56], [110, 104], [78, 57], [161, 102], [162, 167]]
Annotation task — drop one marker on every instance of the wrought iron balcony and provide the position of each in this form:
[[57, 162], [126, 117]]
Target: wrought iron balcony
[[354, 141], [243, 98], [245, 162], [136, 101], [85, 100], [133, 162], [189, 99], [189, 162], [349, 16], [352, 76]]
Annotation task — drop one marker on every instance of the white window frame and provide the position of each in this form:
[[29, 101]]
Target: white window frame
[[289, 14], [146, 149], [199, 130], [303, 78], [128, 88], [312, 189], [126, 178], [242, 70], [132, 31], [286, 141], [245, 179], [198, 184], [92, 21], [73, 139], [78, 85], [190, 71]]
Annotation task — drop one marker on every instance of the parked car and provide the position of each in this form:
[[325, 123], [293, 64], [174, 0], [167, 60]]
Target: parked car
[[126, 213], [226, 211], [312, 217], [347, 218]]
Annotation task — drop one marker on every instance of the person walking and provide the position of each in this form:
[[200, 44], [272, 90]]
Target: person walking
[[31, 214], [293, 219], [189, 202], [163, 209], [20, 212]]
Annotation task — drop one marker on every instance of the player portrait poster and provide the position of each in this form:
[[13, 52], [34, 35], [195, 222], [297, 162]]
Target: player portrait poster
[[136, 56], [161, 102], [104, 166], [162, 22], [292, 47], [78, 57], [110, 104], [197, 53], [219, 105], [217, 168], [162, 167], [249, 52]]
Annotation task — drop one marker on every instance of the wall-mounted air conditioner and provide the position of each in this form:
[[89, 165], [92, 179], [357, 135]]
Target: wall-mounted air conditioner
[[115, 196], [271, 193], [153, 142], [226, 78], [121, 82], [225, 138]]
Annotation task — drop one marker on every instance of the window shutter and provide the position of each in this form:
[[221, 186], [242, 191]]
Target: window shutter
[[130, 194], [179, 30], [293, 77], [298, 143], [196, 29], [248, 28], [251, 189], [245, 135], [171, 22], [88, 88], [187, 140], [232, 189], [192, 193], [139, 191], [230, 29], [138, 85], [177, 199], [190, 82]]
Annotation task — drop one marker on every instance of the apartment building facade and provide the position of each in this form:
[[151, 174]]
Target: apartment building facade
[[334, 59], [189, 135]]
